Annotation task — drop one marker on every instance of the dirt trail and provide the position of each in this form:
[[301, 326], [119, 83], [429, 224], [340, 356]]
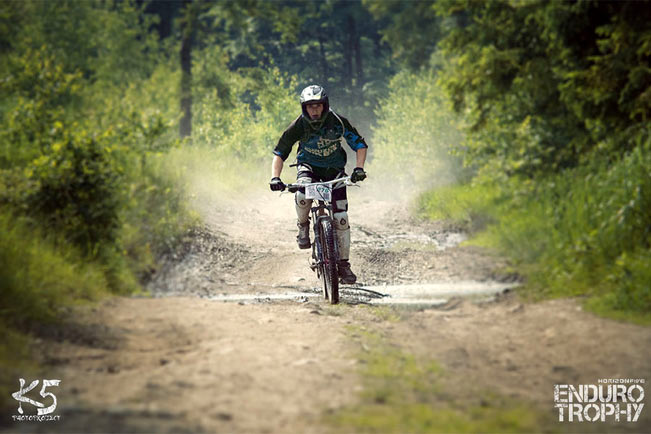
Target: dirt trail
[[182, 361]]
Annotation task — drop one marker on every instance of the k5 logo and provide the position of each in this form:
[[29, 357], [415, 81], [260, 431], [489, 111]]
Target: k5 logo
[[19, 396]]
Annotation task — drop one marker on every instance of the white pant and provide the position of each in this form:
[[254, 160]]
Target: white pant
[[342, 227]]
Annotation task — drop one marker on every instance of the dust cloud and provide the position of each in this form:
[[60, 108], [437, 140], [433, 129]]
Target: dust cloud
[[215, 179]]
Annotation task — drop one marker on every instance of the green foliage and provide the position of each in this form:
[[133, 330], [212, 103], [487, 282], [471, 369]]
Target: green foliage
[[12, 16], [582, 232], [35, 90], [410, 28], [241, 26], [235, 132], [82, 155], [77, 182], [546, 83], [601, 230], [68, 179], [472, 207], [555, 96], [107, 41], [303, 39], [39, 274], [155, 214], [416, 132], [74, 189], [247, 130]]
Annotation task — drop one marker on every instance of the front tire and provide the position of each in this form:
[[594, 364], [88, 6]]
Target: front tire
[[329, 276]]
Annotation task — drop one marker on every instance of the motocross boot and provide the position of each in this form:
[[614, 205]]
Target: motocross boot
[[346, 275], [303, 237]]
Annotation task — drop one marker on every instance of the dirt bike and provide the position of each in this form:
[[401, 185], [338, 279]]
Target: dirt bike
[[325, 252]]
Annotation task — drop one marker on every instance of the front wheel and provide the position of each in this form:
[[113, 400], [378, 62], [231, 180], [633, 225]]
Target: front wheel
[[329, 276]]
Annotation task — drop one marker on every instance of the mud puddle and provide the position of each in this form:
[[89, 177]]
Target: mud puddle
[[436, 294], [260, 298], [420, 295]]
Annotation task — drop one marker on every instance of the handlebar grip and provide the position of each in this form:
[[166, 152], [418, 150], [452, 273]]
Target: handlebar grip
[[292, 188]]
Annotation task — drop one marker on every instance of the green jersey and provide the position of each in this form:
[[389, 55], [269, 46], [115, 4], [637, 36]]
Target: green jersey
[[321, 146]]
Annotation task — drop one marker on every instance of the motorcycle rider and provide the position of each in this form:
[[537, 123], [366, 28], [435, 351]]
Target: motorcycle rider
[[320, 133]]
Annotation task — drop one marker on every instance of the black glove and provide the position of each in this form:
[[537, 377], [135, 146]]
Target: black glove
[[358, 175], [276, 184]]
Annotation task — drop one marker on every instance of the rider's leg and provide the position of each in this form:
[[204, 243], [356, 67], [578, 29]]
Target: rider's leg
[[303, 222], [303, 206], [343, 234], [342, 227]]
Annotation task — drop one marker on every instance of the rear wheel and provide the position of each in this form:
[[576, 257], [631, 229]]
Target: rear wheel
[[329, 277]]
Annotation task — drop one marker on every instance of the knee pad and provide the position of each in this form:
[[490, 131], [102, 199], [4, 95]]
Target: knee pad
[[301, 201], [303, 206], [343, 234], [341, 221]]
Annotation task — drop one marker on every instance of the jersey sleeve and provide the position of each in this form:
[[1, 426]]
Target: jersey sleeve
[[291, 135], [354, 140]]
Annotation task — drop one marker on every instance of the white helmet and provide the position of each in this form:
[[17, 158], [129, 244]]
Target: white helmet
[[314, 94]]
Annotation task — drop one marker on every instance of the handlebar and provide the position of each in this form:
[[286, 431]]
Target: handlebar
[[293, 188]]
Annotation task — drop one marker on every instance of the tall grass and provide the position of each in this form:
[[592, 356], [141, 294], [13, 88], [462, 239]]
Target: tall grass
[[39, 274], [157, 212], [582, 232], [88, 199]]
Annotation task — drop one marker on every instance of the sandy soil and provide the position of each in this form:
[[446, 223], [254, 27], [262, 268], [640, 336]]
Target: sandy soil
[[181, 362]]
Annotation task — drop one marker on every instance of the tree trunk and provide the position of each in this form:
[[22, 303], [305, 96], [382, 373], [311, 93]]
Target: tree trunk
[[325, 71], [185, 127], [359, 72], [348, 59]]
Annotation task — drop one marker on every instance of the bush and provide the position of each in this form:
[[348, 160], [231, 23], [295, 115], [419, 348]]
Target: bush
[[248, 126], [582, 232], [39, 274], [88, 193], [415, 134]]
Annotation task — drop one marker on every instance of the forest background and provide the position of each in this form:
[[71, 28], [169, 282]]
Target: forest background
[[525, 122]]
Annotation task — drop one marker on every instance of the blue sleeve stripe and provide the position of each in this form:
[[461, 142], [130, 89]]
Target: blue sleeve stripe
[[354, 141], [280, 154], [361, 145]]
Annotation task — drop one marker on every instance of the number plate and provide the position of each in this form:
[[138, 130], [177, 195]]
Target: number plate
[[318, 192]]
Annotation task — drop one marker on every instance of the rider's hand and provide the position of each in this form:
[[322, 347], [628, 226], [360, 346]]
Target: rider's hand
[[276, 184], [358, 175]]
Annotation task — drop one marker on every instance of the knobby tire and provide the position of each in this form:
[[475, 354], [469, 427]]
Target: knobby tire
[[329, 276]]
